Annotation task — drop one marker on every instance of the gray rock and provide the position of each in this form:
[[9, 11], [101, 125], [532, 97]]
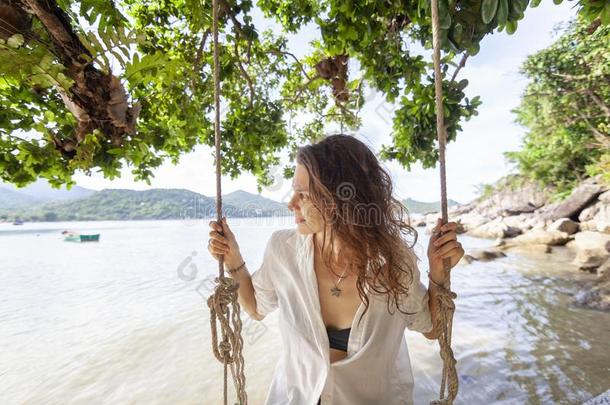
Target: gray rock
[[580, 198], [564, 225], [484, 255], [596, 295], [603, 226], [521, 209], [540, 236], [495, 229], [597, 213], [592, 241], [588, 226], [588, 213], [590, 259], [528, 248], [593, 249], [605, 197], [526, 198]]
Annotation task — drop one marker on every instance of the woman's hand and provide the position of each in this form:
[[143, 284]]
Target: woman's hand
[[441, 247], [224, 244]]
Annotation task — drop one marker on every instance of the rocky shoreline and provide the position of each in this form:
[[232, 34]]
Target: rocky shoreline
[[524, 218]]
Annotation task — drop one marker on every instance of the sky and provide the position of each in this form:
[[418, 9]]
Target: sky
[[475, 158]]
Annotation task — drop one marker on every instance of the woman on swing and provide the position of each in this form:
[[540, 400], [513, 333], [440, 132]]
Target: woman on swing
[[345, 281]]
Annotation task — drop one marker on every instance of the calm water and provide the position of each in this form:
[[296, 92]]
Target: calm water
[[123, 321]]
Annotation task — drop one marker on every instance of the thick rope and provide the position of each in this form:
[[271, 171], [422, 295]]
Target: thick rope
[[223, 304], [445, 296], [225, 309]]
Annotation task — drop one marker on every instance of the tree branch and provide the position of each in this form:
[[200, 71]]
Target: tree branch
[[602, 138], [302, 88], [295, 59], [460, 66], [598, 101], [246, 75], [100, 96]]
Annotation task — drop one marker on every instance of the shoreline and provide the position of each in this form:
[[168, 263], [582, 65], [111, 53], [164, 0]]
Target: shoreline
[[526, 220]]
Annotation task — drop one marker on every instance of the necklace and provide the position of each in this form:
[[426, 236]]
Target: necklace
[[336, 291]]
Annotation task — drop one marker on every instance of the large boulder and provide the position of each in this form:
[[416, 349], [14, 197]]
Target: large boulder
[[462, 209], [527, 248], [592, 241], [579, 199], [508, 200], [540, 236], [471, 220], [598, 211], [495, 229], [525, 222], [593, 249]]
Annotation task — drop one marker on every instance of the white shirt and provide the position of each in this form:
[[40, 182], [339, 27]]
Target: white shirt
[[377, 369]]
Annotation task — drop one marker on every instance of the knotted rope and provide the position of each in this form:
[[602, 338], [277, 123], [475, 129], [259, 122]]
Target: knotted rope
[[444, 296], [223, 304]]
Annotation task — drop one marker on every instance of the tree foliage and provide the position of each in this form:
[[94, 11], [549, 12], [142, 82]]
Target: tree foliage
[[566, 108], [97, 85]]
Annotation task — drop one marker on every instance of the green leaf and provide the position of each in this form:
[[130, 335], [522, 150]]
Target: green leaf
[[488, 10], [444, 16], [502, 14]]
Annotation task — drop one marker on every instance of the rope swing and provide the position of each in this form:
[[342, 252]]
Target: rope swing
[[444, 295], [223, 303]]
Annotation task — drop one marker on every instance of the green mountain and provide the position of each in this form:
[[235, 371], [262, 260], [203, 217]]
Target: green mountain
[[120, 204], [12, 200], [40, 190], [247, 200], [420, 207]]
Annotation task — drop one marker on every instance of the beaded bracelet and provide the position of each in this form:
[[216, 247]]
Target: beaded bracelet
[[238, 268]]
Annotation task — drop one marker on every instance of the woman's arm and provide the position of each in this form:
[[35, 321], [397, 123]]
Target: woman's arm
[[225, 245], [245, 293]]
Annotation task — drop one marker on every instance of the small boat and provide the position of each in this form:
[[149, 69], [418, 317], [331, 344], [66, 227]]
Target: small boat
[[18, 222], [77, 237]]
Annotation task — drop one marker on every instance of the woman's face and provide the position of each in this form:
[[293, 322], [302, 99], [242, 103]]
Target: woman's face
[[306, 216]]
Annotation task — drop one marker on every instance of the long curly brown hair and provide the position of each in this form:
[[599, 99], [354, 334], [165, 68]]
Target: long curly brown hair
[[354, 195]]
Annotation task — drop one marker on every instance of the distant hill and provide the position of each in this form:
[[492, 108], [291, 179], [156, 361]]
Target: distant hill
[[419, 207], [244, 199], [12, 200], [122, 204], [42, 191]]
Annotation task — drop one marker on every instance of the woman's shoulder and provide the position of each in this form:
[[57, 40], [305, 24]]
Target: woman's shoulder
[[284, 239]]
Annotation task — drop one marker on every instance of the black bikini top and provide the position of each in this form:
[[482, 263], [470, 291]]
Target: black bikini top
[[337, 338]]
